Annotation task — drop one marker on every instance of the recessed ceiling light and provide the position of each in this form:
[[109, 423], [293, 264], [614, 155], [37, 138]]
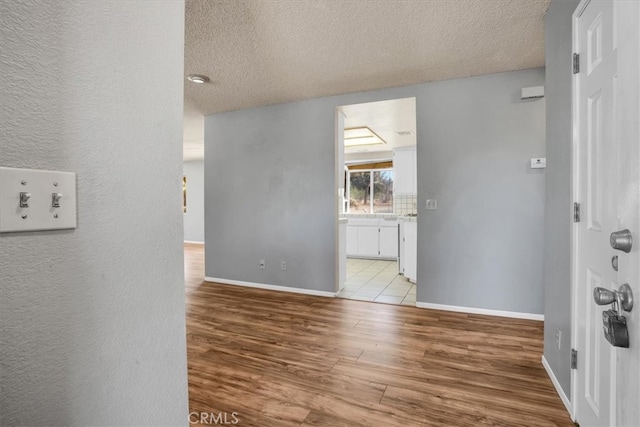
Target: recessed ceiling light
[[197, 78], [361, 136]]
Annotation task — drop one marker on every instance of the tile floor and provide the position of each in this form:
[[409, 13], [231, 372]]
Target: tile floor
[[379, 281]]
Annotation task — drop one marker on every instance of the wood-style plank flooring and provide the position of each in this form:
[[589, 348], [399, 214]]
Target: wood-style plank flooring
[[283, 359]]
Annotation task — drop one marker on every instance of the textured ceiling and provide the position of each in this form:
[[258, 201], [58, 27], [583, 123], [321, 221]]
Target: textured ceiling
[[261, 52]]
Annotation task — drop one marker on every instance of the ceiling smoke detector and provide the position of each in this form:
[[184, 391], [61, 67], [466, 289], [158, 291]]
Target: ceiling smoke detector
[[403, 132], [197, 78]]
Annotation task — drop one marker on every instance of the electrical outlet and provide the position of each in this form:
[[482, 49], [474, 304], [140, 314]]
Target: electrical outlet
[[431, 204], [558, 338], [283, 266], [263, 264]]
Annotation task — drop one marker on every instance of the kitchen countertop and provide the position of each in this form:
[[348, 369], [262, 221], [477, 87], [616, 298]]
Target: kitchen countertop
[[408, 218], [386, 217], [370, 216]]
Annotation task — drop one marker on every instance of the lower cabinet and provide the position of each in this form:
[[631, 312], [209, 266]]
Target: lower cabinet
[[410, 250], [368, 238], [371, 238], [388, 243], [352, 240]]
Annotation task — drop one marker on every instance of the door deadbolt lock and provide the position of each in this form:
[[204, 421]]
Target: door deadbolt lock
[[621, 240]]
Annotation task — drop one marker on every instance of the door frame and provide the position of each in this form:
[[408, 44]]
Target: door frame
[[574, 192], [339, 167]]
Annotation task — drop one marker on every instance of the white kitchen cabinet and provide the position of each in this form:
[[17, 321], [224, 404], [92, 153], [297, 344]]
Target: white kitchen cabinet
[[368, 237], [342, 253], [352, 239], [388, 244], [372, 238], [410, 252], [405, 171], [401, 246]]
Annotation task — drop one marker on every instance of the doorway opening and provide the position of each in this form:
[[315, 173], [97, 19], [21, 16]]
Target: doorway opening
[[377, 201]]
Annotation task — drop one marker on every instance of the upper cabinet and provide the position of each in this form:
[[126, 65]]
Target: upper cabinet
[[405, 168]]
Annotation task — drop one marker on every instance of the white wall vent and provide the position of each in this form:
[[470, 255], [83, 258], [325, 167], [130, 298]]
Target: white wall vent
[[532, 92]]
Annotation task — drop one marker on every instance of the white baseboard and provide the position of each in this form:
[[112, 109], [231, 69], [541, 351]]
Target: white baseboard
[[195, 242], [485, 311], [556, 384], [271, 287]]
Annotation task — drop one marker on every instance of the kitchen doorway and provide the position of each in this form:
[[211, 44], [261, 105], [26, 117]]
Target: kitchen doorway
[[376, 170]]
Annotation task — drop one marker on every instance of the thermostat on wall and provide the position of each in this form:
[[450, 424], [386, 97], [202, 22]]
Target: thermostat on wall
[[539, 163]]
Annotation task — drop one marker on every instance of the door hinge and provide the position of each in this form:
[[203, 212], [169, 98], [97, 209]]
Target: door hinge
[[574, 358], [576, 63], [576, 212]]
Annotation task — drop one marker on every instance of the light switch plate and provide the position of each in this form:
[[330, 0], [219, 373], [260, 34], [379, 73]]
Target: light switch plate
[[539, 163], [40, 213], [431, 204]]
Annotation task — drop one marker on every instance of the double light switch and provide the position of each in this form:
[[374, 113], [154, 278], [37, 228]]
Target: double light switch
[[32, 200]]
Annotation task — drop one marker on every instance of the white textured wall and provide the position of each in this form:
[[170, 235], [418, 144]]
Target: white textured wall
[[92, 320], [194, 217]]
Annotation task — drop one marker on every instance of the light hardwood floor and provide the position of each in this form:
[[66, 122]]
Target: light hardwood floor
[[283, 359]]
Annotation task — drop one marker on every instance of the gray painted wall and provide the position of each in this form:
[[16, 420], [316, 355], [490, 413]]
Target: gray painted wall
[[194, 217], [557, 263], [270, 194], [483, 246], [270, 191], [92, 328]]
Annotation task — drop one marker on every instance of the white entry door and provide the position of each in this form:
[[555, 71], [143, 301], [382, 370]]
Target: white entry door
[[603, 184]]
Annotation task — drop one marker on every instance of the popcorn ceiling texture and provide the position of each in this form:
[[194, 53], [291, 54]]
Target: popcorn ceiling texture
[[92, 320], [268, 52]]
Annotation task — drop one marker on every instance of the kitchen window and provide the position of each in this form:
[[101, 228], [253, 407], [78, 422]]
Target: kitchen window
[[370, 191]]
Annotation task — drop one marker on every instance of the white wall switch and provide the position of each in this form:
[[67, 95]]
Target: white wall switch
[[431, 204], [539, 163], [34, 200]]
